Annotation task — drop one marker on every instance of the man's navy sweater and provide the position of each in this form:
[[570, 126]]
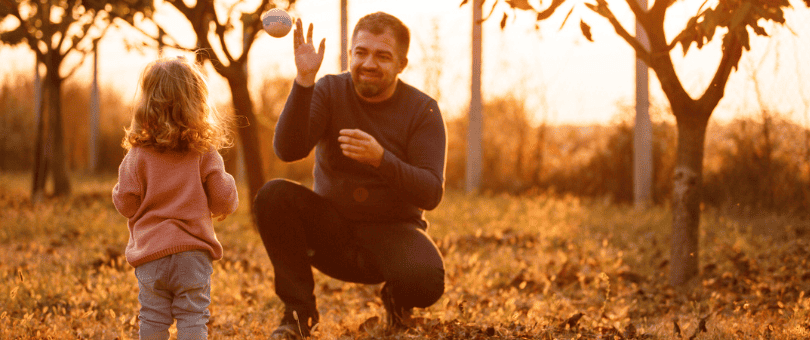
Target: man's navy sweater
[[409, 126]]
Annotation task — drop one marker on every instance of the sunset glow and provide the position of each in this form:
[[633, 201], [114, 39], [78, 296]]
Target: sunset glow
[[561, 76]]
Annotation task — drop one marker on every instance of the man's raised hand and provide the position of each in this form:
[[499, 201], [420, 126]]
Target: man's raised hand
[[307, 60]]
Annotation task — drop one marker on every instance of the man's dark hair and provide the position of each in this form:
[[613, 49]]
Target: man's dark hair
[[377, 23]]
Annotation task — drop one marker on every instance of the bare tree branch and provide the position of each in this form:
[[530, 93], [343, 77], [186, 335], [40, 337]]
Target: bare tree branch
[[659, 9], [251, 30], [228, 25], [602, 9], [78, 65], [12, 8], [220, 31], [640, 13], [74, 44], [230, 12], [544, 14], [86, 52], [732, 52], [62, 27], [174, 45], [490, 10], [25, 26], [180, 5], [672, 44]]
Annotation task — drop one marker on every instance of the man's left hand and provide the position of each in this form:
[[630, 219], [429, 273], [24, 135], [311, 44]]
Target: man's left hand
[[360, 146]]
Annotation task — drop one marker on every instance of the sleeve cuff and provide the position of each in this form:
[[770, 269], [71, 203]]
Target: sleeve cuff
[[387, 163]]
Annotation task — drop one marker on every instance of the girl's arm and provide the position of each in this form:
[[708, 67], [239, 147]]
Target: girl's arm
[[127, 193], [220, 187]]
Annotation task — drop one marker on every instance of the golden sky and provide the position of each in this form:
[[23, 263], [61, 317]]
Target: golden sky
[[562, 76]]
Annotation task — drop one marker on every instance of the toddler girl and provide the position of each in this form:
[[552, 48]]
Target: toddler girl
[[170, 184]]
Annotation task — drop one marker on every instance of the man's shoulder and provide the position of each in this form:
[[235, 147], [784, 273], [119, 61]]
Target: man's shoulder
[[415, 96], [335, 80]]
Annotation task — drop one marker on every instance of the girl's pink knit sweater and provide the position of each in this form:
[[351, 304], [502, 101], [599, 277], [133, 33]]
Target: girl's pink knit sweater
[[169, 198]]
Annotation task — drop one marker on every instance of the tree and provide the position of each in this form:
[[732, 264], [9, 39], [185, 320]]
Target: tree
[[54, 30], [204, 18], [475, 115], [735, 19]]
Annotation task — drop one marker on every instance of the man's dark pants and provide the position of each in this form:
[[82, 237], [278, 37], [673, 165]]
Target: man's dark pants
[[301, 229]]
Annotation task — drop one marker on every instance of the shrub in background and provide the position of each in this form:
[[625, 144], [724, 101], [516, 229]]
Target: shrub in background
[[17, 124], [594, 161], [114, 116], [610, 171], [755, 163], [270, 103], [759, 164], [507, 144], [18, 127]]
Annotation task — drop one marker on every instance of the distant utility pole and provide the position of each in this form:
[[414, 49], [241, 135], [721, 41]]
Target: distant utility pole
[[642, 133], [92, 148], [344, 34], [475, 116]]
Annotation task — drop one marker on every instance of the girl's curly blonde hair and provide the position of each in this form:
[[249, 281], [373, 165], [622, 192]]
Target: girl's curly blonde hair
[[174, 112]]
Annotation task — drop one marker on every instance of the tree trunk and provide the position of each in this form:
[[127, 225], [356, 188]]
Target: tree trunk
[[692, 120], [95, 108], [686, 194], [248, 134], [40, 160], [61, 183]]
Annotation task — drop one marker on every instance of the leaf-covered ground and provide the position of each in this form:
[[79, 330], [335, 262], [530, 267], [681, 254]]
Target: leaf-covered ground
[[532, 267]]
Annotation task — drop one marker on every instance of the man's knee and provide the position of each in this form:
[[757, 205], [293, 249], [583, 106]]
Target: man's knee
[[423, 287], [270, 202], [274, 198], [270, 192], [433, 289]]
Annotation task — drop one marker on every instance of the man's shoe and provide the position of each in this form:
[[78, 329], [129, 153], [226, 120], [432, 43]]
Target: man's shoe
[[295, 325], [396, 316], [286, 332]]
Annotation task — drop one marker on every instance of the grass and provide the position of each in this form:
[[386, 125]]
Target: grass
[[529, 267]]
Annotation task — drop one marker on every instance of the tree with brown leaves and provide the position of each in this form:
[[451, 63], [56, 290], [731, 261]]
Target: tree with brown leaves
[[203, 18], [733, 20], [54, 30]]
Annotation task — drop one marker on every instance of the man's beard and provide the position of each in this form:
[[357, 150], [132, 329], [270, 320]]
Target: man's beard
[[369, 89], [366, 89]]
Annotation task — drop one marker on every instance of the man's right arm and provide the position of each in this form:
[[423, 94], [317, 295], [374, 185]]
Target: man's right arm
[[296, 131], [299, 127]]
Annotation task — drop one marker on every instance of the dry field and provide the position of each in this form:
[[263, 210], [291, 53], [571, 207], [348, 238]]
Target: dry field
[[530, 267]]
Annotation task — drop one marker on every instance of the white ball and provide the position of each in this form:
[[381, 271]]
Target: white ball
[[276, 22]]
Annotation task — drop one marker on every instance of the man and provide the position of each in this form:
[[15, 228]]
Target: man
[[380, 156]]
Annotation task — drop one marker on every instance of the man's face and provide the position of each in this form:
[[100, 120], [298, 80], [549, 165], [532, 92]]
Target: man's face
[[375, 65]]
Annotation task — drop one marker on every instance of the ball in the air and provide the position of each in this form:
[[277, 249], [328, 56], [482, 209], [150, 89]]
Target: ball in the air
[[276, 22]]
